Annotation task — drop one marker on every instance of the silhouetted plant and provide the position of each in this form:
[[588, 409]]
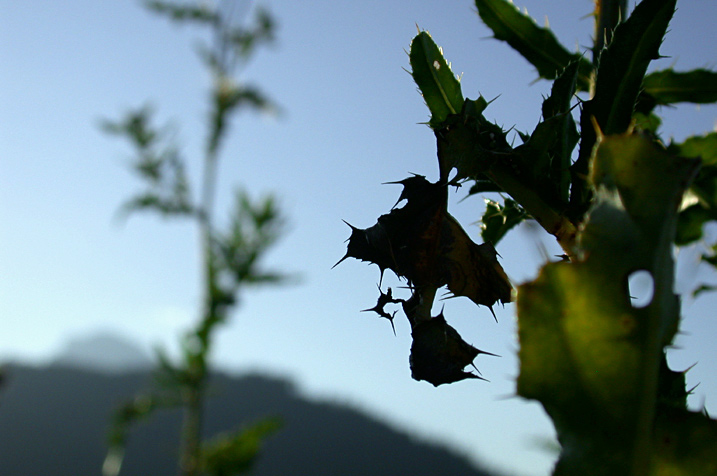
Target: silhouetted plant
[[230, 257], [594, 359]]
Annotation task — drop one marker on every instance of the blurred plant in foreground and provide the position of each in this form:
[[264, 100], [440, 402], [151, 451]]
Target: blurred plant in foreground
[[230, 257]]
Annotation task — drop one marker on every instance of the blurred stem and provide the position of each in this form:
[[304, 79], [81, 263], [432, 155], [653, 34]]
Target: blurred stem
[[201, 337], [192, 428]]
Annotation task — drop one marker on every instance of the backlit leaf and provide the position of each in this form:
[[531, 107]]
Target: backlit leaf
[[500, 219], [439, 86], [583, 345]]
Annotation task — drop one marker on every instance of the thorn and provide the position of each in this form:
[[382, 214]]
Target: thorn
[[350, 225], [478, 377], [474, 366], [493, 312], [598, 131], [339, 261], [487, 353], [688, 369]]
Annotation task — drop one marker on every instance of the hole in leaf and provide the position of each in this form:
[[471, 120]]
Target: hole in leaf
[[641, 288]]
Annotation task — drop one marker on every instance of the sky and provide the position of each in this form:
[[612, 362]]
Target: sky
[[350, 120]]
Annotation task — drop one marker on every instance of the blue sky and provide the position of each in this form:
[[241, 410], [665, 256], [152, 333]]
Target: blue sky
[[351, 120]]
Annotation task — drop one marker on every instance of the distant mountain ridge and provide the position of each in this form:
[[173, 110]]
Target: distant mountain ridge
[[106, 352], [53, 421]]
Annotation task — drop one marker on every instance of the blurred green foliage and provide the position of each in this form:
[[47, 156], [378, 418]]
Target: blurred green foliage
[[231, 257]]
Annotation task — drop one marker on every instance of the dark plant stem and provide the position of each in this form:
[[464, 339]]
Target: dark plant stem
[[608, 14]]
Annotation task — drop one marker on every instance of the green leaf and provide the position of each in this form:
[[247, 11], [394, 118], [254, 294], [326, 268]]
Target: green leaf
[[236, 452], [537, 45], [253, 228], [553, 140], [228, 97], [543, 160], [647, 122], [483, 184], [439, 86], [557, 108], [670, 87], [468, 142], [704, 147], [478, 150], [136, 126], [704, 187], [685, 444], [622, 68], [703, 288], [500, 219], [588, 355], [246, 40], [690, 222], [623, 64], [183, 13]]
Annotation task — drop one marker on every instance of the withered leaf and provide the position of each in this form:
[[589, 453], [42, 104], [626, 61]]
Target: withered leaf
[[379, 308], [472, 270], [439, 355], [372, 245], [406, 239], [423, 243]]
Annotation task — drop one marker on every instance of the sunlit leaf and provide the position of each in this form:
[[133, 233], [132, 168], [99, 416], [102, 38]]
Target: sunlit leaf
[[500, 219], [583, 344], [439, 86]]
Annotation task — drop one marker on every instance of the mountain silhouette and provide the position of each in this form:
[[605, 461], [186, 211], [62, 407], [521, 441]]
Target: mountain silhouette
[[54, 421], [106, 352]]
